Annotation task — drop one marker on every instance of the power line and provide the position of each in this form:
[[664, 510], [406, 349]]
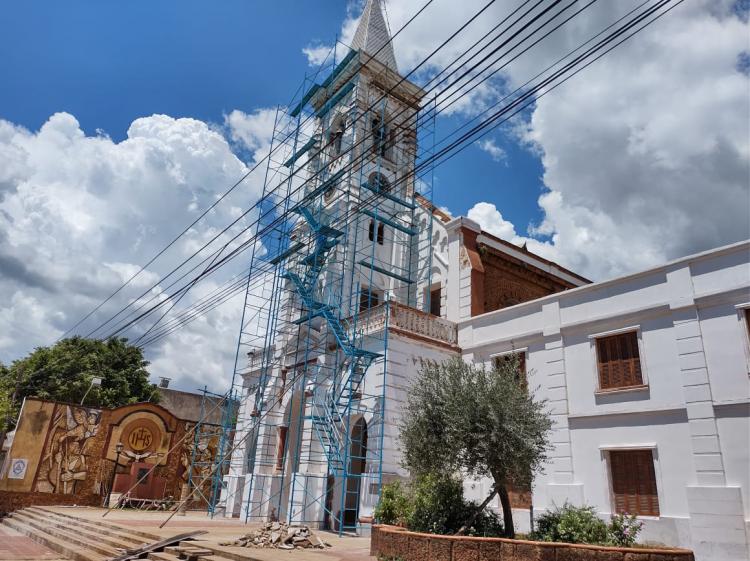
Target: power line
[[454, 145], [215, 203], [525, 26], [383, 96]]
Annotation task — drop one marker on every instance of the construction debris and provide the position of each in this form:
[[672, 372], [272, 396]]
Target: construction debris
[[278, 535]]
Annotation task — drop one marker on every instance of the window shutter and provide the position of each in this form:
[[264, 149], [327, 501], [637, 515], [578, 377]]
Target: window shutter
[[634, 482], [605, 377], [618, 361]]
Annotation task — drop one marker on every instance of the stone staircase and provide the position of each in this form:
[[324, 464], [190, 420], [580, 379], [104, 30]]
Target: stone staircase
[[83, 539]]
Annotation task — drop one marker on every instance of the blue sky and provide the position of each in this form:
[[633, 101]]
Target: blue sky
[[641, 158], [108, 63]]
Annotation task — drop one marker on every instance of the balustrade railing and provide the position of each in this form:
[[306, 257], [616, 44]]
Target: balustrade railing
[[406, 319]]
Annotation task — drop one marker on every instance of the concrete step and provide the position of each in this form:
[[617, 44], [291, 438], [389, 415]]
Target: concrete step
[[193, 553], [37, 520], [102, 523], [163, 557], [61, 546], [199, 551], [121, 537], [70, 535], [220, 553]]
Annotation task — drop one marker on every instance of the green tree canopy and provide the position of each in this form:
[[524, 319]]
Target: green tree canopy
[[64, 371], [460, 418]]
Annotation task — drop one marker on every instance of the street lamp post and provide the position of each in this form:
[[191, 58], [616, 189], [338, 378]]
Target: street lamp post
[[118, 448], [95, 381]]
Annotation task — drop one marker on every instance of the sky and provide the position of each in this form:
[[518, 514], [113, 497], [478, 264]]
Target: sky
[[121, 122]]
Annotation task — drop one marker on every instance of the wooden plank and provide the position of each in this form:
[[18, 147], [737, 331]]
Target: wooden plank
[[136, 553]]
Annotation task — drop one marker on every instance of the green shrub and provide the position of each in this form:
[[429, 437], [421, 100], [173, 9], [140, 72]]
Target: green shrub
[[624, 529], [394, 506], [571, 524], [434, 504]]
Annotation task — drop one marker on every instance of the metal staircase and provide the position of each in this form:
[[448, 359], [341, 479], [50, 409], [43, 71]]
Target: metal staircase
[[330, 409]]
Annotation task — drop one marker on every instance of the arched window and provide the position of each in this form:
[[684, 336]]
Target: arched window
[[371, 230], [336, 135], [381, 233], [379, 134], [378, 182]]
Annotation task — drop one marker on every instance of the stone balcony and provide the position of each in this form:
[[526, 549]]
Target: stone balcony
[[399, 319], [409, 322]]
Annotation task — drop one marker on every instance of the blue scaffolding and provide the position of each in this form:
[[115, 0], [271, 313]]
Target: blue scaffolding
[[340, 238]]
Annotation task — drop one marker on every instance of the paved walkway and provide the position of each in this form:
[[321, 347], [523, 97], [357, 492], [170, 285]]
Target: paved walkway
[[17, 547], [223, 530]]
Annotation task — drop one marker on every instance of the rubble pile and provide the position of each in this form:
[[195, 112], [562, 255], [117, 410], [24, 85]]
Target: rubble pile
[[278, 535]]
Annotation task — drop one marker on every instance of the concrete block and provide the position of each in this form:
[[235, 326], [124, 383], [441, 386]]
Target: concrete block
[[687, 328], [727, 521], [708, 462], [710, 478], [707, 493], [691, 360], [706, 444], [556, 380], [696, 394], [694, 377], [557, 394], [561, 449], [558, 407], [559, 493], [702, 427], [689, 345], [561, 436], [700, 410]]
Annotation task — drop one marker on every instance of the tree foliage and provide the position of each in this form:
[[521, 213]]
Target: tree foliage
[[63, 372], [462, 418]]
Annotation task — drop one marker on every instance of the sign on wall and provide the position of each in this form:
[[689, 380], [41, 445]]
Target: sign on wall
[[18, 468]]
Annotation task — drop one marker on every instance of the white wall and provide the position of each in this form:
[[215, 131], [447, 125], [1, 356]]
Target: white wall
[[694, 413]]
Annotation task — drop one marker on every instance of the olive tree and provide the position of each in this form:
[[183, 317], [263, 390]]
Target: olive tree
[[463, 418]]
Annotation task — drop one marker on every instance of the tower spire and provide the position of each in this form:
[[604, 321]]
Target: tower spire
[[372, 35]]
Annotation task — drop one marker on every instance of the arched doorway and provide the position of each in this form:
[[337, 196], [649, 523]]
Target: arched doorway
[[357, 465]]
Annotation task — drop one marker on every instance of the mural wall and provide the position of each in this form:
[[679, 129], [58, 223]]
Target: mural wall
[[67, 454], [68, 450]]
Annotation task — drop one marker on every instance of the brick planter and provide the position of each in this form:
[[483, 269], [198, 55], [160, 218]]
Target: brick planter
[[391, 541]]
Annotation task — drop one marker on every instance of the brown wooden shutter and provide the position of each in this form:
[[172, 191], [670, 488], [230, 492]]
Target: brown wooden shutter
[[634, 482], [619, 361]]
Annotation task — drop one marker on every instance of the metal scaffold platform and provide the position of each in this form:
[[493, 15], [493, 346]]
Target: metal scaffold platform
[[343, 233]]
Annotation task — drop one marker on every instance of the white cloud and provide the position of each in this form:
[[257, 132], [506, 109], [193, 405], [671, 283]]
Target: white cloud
[[316, 54], [492, 221], [79, 215], [645, 152], [490, 146]]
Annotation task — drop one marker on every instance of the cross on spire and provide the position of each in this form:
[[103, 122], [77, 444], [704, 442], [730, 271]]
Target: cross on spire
[[372, 35]]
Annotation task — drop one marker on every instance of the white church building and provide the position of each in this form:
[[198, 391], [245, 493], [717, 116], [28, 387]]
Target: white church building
[[646, 375]]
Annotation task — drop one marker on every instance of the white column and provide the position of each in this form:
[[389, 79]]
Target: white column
[[562, 485], [717, 524]]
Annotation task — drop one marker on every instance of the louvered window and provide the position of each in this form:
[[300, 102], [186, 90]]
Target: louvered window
[[634, 482], [521, 362], [619, 361]]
